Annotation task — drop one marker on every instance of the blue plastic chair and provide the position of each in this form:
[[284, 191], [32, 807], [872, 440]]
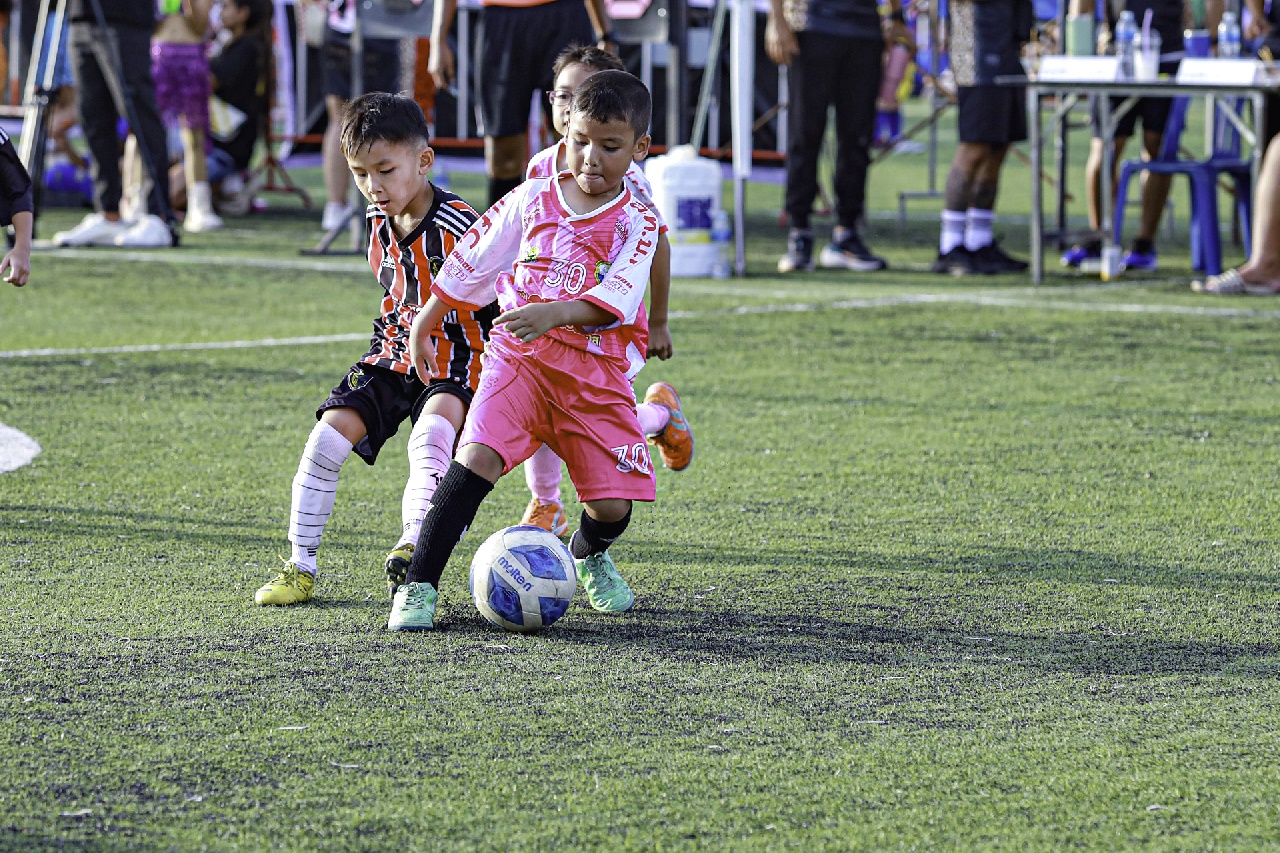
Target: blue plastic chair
[[1206, 243]]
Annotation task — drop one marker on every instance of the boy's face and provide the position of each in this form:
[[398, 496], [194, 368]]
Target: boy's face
[[567, 82], [600, 152], [391, 175]]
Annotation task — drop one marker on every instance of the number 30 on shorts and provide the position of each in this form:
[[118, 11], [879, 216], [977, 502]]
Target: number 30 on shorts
[[633, 457]]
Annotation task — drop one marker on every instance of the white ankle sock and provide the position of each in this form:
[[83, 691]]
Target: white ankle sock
[[977, 228], [654, 417], [952, 233], [314, 488], [430, 452], [542, 475]]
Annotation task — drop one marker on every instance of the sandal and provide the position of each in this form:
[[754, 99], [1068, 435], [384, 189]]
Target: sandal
[[1231, 283]]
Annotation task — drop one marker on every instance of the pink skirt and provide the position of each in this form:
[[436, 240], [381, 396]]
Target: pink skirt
[[181, 75]]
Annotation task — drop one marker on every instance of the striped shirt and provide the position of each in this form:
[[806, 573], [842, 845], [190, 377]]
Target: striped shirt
[[405, 268]]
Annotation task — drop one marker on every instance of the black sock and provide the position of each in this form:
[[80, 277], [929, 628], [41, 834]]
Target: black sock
[[498, 187], [595, 537], [449, 514]]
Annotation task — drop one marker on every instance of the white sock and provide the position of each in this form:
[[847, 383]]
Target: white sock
[[977, 228], [952, 234], [430, 452], [314, 488], [542, 475], [654, 417]]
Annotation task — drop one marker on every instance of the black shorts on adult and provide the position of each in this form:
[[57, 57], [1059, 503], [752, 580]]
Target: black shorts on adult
[[383, 399], [381, 65], [1154, 112], [993, 115], [518, 46]]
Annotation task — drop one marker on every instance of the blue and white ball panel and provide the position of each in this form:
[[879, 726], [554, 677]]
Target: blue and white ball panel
[[522, 578]]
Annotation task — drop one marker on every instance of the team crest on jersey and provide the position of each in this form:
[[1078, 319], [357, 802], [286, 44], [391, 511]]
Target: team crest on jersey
[[602, 270], [434, 264], [355, 377], [530, 254]]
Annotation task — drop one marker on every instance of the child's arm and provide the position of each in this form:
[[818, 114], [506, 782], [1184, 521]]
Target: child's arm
[[18, 260], [536, 319], [659, 291], [422, 350]]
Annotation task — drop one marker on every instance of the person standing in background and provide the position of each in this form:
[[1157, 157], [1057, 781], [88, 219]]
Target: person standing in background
[[519, 43], [834, 51], [108, 61], [381, 73], [986, 39]]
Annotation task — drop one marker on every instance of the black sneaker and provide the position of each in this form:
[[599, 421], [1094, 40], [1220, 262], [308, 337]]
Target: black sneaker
[[846, 251], [991, 260], [957, 262], [799, 256]]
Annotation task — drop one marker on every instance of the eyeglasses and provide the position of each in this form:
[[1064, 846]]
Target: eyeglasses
[[560, 97]]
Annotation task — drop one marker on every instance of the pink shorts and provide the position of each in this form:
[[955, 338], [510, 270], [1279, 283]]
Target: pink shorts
[[578, 404]]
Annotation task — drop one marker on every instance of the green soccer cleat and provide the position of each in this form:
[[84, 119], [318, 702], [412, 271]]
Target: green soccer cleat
[[413, 608], [291, 586], [606, 590], [398, 566]]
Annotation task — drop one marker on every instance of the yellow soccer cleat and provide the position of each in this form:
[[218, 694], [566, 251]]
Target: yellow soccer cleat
[[398, 566], [675, 442], [291, 586]]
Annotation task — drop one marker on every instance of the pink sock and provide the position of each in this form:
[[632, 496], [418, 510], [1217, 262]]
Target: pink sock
[[542, 473], [653, 417]]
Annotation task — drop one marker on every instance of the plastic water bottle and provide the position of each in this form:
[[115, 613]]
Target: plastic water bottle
[[722, 240], [1126, 37], [1229, 36]]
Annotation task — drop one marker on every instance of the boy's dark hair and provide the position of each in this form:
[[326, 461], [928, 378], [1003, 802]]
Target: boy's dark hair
[[383, 117], [613, 96], [587, 55]]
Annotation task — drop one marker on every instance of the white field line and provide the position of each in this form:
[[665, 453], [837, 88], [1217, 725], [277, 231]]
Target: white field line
[[1032, 298]]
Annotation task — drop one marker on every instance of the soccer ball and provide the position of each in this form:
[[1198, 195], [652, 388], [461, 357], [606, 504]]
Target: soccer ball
[[523, 578]]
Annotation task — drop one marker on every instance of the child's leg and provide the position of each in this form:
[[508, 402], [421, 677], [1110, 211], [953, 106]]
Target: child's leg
[[315, 485], [453, 507], [603, 522], [654, 417], [430, 452], [545, 510], [200, 214]]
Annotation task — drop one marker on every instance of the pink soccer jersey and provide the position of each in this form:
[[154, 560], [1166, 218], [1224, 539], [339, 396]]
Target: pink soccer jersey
[[531, 247], [543, 165]]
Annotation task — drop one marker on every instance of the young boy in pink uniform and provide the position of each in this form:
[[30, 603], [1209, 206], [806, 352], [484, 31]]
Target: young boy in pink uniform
[[569, 259], [661, 414]]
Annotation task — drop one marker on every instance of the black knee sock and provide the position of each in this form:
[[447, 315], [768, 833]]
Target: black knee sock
[[498, 187], [595, 537], [449, 514]]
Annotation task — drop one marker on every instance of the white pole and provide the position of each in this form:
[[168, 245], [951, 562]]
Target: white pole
[[742, 47]]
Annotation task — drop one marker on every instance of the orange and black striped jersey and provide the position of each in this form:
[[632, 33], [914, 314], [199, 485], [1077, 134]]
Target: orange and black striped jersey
[[405, 268]]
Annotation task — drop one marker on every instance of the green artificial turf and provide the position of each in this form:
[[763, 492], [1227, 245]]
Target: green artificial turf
[[959, 564]]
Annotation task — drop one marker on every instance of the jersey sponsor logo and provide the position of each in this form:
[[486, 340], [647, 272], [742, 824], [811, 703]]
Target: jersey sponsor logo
[[388, 263]]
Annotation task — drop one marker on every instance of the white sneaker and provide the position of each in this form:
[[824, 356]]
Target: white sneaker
[[149, 232], [94, 230], [335, 213]]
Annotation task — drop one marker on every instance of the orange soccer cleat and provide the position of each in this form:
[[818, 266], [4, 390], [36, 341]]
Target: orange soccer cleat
[[675, 442], [549, 517]]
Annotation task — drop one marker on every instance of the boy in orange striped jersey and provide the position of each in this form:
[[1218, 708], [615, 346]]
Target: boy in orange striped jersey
[[412, 227]]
